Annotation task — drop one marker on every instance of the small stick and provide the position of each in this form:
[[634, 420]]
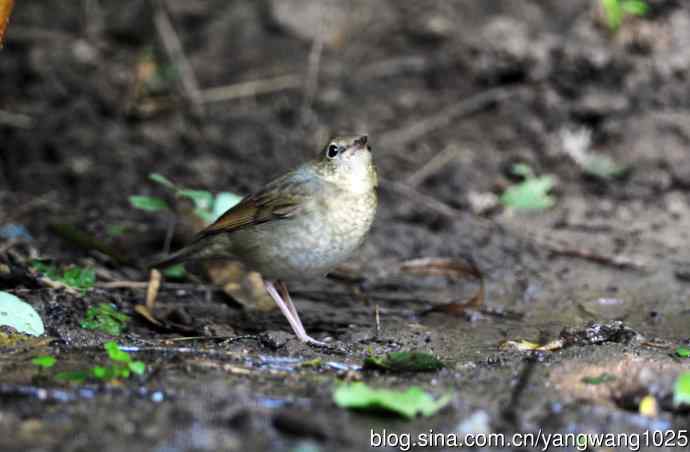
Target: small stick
[[427, 201], [212, 338], [436, 163], [614, 261], [145, 285], [123, 285], [251, 88], [17, 120], [31, 34], [169, 233], [173, 47], [378, 320], [58, 285], [312, 80], [395, 139], [152, 289], [394, 66]]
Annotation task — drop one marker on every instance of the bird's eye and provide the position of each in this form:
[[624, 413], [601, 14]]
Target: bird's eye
[[332, 151]]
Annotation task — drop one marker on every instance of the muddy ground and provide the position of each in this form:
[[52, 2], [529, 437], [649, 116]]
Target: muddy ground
[[91, 103]]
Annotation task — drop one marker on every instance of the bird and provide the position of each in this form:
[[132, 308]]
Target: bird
[[298, 226]]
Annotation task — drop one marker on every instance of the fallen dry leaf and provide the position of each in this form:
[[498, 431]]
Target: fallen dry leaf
[[146, 313], [245, 287], [649, 406], [5, 11], [152, 289], [522, 345], [452, 268]]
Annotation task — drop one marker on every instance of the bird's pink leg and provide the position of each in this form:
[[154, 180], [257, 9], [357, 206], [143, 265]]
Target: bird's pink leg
[[283, 290], [289, 311]]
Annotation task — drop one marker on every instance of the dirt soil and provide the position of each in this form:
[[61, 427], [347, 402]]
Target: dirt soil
[[452, 94]]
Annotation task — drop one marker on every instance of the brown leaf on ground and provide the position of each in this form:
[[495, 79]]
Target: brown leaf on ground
[[146, 313], [152, 289], [244, 286], [5, 11], [452, 268]]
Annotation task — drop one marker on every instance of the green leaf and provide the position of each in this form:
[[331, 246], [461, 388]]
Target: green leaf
[[202, 199], [407, 403], [681, 390], [116, 230], [683, 351], [602, 166], [602, 378], [106, 318], [19, 315], [49, 271], [164, 181], [175, 272], [635, 7], [316, 362], [77, 376], [223, 202], [114, 352], [99, 372], [207, 207], [205, 215], [75, 277], [522, 169], [121, 372], [137, 367], [404, 362], [531, 194], [45, 362], [148, 203], [79, 278], [613, 13]]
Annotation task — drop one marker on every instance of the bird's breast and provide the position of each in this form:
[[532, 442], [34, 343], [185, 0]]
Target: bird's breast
[[329, 230]]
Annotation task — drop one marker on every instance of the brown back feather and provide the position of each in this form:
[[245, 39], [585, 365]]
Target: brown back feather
[[271, 203]]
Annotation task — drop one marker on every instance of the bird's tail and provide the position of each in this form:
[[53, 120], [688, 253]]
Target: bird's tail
[[187, 253]]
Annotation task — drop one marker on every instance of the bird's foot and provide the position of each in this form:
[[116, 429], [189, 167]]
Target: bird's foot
[[311, 341]]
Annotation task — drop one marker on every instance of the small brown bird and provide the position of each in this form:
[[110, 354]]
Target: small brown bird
[[298, 226]]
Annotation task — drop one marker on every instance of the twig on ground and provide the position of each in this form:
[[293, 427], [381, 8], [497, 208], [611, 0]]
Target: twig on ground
[[395, 139], [145, 285], [152, 289], [173, 47], [251, 88], [213, 338], [427, 201], [58, 285], [17, 120], [436, 163], [123, 285], [31, 34], [311, 83], [188, 350], [590, 255], [394, 66], [169, 233]]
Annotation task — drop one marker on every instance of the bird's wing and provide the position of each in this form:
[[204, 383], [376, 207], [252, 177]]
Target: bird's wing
[[281, 199]]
